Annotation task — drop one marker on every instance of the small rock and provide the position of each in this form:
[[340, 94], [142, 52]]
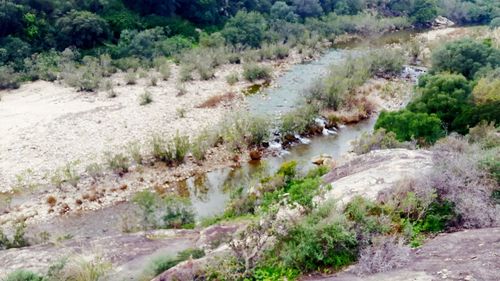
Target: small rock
[[322, 159], [255, 154]]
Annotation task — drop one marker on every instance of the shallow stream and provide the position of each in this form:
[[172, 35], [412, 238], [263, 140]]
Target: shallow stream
[[210, 192]]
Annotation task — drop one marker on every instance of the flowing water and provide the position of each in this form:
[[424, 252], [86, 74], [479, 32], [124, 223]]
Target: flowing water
[[210, 192]]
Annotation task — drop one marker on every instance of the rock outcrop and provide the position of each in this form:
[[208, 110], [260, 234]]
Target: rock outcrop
[[367, 175]]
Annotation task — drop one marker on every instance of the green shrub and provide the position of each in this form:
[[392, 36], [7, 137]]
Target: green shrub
[[145, 98], [252, 72], [165, 71], [245, 29], [8, 78], [423, 11], [446, 95], [23, 275], [232, 78], [303, 191], [259, 129], [175, 45], [186, 72], [118, 163], [213, 40], [181, 147], [386, 61], [408, 125], [380, 139], [205, 70], [298, 121], [274, 273], [160, 150], [43, 66], [91, 29], [471, 116], [486, 90], [465, 56], [318, 241], [131, 77], [128, 63]]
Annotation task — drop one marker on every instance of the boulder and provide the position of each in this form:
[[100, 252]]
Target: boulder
[[442, 22], [369, 174], [323, 159], [255, 154]]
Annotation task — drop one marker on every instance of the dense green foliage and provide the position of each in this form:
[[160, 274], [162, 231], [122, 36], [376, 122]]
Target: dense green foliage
[[466, 57], [409, 125], [451, 102], [445, 95]]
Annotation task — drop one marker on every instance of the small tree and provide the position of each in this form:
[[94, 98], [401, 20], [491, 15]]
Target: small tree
[[465, 56], [245, 28], [423, 12], [82, 29]]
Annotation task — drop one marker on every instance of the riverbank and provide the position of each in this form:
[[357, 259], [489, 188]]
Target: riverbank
[[159, 116]]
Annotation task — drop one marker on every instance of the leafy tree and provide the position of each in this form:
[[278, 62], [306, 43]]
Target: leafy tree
[[13, 51], [121, 20], [473, 115], [348, 7], [408, 125], [173, 25], [445, 95], [11, 18], [423, 11], [281, 10], [147, 7], [143, 44], [308, 8], [82, 29], [465, 56], [245, 28]]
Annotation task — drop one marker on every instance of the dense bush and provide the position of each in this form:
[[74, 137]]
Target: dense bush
[[8, 78], [245, 28], [319, 241], [253, 71], [472, 116], [446, 95], [298, 121], [380, 139], [465, 56], [423, 11], [463, 11], [82, 29], [486, 89], [409, 126]]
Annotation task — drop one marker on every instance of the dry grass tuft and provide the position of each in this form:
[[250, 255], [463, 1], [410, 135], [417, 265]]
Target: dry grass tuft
[[385, 254]]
